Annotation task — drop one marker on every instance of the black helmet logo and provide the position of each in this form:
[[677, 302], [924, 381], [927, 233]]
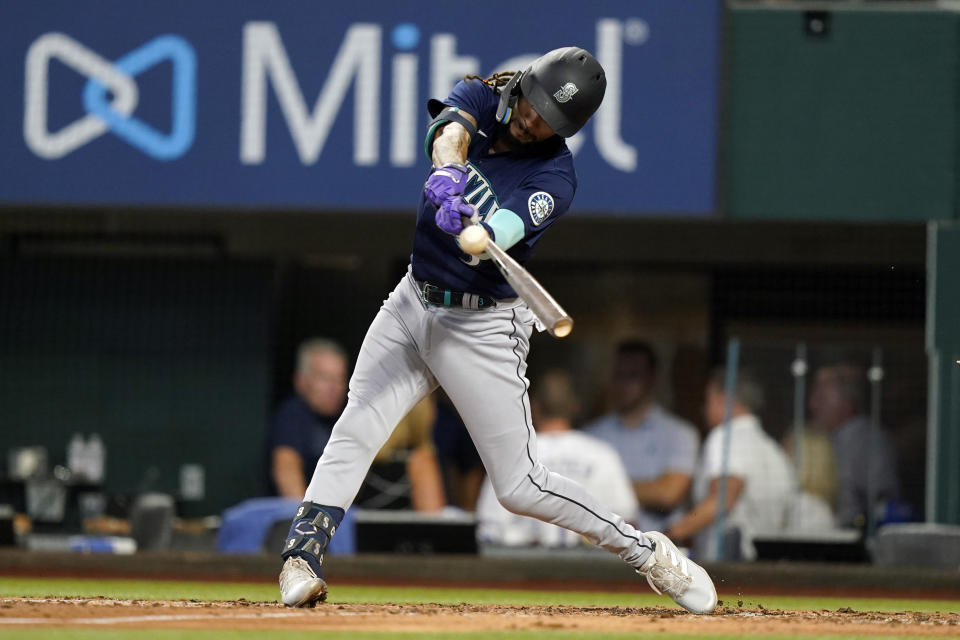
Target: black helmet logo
[[565, 93]]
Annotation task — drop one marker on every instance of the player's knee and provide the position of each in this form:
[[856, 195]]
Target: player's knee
[[514, 502], [519, 498], [361, 429]]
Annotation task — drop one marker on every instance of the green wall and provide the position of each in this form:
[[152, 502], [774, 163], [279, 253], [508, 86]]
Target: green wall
[[849, 112], [858, 123], [167, 360]]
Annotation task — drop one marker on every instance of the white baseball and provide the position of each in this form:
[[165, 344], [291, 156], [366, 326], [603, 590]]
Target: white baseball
[[474, 239]]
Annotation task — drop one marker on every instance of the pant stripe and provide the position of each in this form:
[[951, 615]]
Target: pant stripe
[[529, 425], [526, 417]]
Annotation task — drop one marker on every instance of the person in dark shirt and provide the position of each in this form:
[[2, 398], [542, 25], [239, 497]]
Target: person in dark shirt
[[864, 454], [302, 423]]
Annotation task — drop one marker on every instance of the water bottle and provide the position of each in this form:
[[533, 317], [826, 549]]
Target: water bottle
[[75, 456], [96, 459]]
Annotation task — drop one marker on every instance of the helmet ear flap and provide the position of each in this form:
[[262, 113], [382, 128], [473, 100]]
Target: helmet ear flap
[[508, 98]]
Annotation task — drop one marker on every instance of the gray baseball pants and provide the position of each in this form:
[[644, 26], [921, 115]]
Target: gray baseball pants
[[479, 358]]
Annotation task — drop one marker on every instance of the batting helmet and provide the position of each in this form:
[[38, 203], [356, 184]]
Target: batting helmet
[[565, 87]]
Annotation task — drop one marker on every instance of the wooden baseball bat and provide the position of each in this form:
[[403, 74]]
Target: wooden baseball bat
[[557, 321], [547, 310]]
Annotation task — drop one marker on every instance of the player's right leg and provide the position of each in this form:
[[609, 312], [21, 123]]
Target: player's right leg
[[481, 363], [388, 380]]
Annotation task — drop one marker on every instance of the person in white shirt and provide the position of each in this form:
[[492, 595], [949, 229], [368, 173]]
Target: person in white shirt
[[579, 457], [760, 481]]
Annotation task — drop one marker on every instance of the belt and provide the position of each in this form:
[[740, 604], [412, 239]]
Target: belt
[[432, 294]]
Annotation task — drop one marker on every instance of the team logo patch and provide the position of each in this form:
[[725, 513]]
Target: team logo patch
[[565, 93], [541, 206]]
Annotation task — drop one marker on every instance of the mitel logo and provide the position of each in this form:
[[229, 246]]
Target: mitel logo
[[359, 64], [110, 97]]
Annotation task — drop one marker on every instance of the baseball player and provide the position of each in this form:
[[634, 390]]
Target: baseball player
[[498, 152]]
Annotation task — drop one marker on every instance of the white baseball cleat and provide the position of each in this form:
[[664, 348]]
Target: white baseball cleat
[[299, 585], [669, 571]]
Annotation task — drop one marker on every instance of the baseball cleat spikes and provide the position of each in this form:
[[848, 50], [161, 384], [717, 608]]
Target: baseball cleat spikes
[[299, 585], [669, 572]]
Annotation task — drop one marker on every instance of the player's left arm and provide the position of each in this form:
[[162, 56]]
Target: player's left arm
[[450, 141], [448, 145], [704, 514], [670, 489], [664, 493]]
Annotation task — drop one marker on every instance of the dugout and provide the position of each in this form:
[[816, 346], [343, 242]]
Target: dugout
[[169, 329]]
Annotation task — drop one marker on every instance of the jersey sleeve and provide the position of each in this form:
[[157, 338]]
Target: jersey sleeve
[[471, 96], [539, 202]]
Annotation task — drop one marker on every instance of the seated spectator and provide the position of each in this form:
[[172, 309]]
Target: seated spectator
[[562, 450], [759, 480], [817, 473], [658, 449], [302, 424], [405, 473], [460, 464], [864, 455]]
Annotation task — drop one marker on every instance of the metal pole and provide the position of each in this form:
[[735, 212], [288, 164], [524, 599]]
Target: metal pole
[[730, 386], [799, 371], [875, 376]]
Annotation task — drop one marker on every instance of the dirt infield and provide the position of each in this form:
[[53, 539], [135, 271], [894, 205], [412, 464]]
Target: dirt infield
[[143, 614]]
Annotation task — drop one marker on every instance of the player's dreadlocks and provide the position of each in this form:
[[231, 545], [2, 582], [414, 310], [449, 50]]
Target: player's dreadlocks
[[496, 81]]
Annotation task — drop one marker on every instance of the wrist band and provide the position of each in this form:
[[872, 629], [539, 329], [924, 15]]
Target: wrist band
[[454, 165]]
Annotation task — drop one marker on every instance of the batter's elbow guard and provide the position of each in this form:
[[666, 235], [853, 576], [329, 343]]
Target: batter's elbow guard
[[448, 114]]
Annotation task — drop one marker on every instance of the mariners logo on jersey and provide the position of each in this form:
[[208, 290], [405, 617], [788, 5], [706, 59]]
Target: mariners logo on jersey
[[541, 206], [479, 193]]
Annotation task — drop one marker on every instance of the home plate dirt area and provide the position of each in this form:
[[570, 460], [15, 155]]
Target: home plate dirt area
[[147, 614]]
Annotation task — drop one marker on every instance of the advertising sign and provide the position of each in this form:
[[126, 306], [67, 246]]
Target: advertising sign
[[296, 105]]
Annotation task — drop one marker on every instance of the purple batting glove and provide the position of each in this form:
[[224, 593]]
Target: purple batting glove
[[445, 181], [449, 214]]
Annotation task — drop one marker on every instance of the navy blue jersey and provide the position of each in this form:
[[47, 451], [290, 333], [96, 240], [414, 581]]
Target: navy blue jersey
[[538, 189]]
